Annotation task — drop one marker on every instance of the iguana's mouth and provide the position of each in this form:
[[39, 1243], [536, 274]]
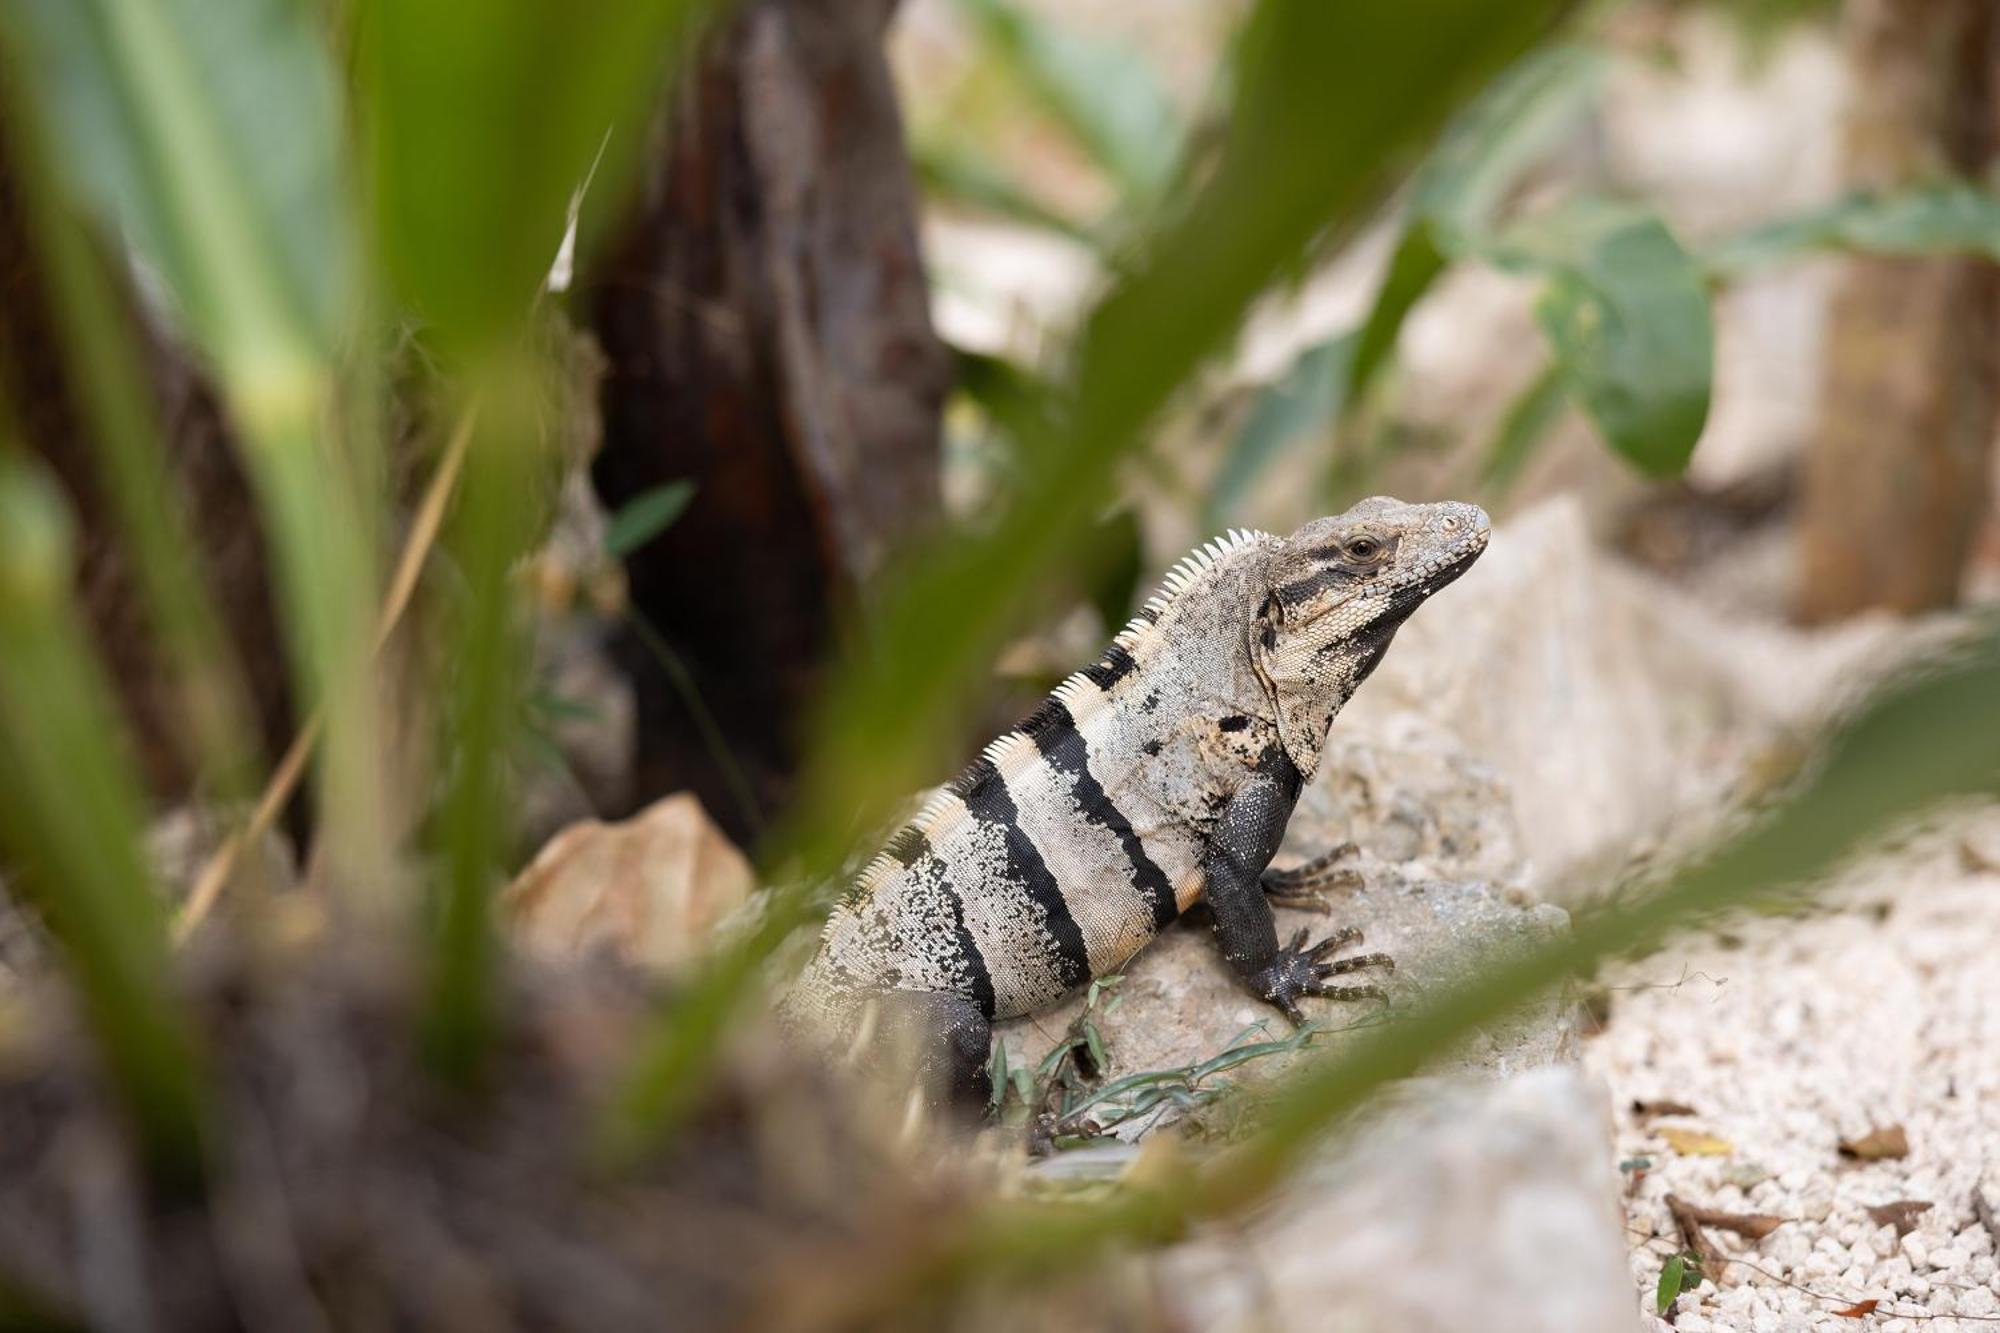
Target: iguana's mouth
[[1415, 591], [1451, 571]]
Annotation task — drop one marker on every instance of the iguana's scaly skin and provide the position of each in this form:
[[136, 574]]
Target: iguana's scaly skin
[[1163, 774]]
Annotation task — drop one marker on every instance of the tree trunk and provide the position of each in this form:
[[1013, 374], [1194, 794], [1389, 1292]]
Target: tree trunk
[[1895, 481], [765, 323]]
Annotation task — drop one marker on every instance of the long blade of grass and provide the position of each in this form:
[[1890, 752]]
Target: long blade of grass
[[70, 823], [111, 391], [483, 122], [209, 136], [1334, 97]]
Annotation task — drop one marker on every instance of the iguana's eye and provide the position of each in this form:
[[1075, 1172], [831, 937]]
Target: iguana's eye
[[1364, 548]]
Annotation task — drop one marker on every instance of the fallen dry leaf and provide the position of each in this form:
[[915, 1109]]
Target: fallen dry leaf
[[651, 889], [1647, 1110], [1687, 1219], [1902, 1214], [1859, 1310], [1750, 1226], [1877, 1144], [1695, 1143]]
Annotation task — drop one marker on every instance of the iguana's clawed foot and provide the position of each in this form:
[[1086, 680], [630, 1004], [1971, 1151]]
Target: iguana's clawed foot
[[1299, 887], [1299, 970]]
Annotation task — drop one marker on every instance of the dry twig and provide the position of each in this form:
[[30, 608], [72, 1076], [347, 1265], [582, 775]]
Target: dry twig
[[417, 543]]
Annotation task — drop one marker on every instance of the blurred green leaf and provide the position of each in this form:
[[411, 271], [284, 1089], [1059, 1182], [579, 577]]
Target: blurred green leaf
[[106, 379], [1500, 136], [1306, 398], [645, 516], [483, 118], [1627, 315], [1105, 94], [1669, 1288], [500, 513], [956, 171], [209, 136], [1413, 267], [1953, 218], [1372, 82], [1017, 400], [1115, 556], [70, 821], [1458, 190], [1528, 421]]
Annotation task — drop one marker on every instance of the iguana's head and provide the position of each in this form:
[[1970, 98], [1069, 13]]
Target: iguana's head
[[1339, 588]]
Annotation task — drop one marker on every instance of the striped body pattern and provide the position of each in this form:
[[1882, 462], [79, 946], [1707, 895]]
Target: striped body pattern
[[1076, 837], [1080, 834]]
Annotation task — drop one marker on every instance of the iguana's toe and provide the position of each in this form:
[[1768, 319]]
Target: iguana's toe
[[1299, 888], [1301, 969]]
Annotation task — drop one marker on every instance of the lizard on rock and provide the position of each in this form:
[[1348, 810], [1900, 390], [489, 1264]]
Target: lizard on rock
[[1162, 775]]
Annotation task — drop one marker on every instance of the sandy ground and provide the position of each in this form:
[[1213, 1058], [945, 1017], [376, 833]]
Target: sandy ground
[[1786, 1036]]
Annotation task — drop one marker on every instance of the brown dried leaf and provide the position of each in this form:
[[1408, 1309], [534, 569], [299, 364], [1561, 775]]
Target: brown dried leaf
[[1859, 1310], [1877, 1144], [1750, 1226], [1902, 1214], [1687, 1218], [1647, 1110], [650, 889], [1695, 1143]]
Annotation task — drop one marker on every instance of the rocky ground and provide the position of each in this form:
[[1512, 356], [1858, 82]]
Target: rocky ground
[[1875, 1024]]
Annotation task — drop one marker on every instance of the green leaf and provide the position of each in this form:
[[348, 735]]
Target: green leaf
[[210, 136], [996, 1076], [956, 172], [645, 516], [70, 821], [1502, 134], [1458, 190], [1303, 400], [1114, 558], [1528, 421], [483, 119], [1671, 1275], [1415, 265], [1951, 218], [1093, 1040], [1627, 314], [1105, 94]]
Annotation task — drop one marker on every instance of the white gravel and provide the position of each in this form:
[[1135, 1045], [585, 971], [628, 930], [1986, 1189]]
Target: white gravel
[[1787, 1035]]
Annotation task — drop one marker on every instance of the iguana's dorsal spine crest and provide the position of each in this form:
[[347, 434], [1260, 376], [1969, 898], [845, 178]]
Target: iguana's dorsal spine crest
[[1079, 696]]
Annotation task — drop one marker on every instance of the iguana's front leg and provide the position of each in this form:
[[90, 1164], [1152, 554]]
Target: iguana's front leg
[[1244, 841]]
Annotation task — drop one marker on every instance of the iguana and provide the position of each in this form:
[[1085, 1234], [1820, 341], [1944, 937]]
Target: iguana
[[1162, 775]]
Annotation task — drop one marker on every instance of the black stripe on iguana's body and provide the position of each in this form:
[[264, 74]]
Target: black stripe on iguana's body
[[1117, 665], [1064, 748], [978, 981], [991, 803]]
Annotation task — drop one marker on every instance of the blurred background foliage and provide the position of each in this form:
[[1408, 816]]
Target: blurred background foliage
[[364, 351]]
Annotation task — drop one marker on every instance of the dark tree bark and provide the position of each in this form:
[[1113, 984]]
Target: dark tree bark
[[1895, 481], [765, 323]]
